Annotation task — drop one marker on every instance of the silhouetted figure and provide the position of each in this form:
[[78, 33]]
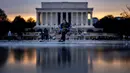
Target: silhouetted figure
[[46, 34], [20, 35], [64, 28], [42, 35], [18, 54]]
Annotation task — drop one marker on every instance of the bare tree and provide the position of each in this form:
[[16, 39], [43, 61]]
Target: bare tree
[[128, 7], [126, 13], [3, 16]]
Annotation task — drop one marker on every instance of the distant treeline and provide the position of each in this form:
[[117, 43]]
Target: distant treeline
[[117, 25], [18, 25]]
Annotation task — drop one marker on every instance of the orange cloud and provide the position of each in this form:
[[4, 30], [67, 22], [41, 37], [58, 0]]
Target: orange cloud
[[102, 14], [25, 16]]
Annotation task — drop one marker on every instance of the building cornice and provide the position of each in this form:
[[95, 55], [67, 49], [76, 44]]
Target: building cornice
[[65, 2], [64, 9]]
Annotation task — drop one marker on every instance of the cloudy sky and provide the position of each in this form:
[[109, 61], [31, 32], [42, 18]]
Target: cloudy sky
[[26, 8]]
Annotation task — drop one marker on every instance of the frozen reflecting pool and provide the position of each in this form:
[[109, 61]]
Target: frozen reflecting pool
[[63, 59]]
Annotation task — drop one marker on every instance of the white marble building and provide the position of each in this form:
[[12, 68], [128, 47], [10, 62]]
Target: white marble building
[[51, 14]]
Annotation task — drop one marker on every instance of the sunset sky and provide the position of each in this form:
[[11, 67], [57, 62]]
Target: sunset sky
[[26, 8]]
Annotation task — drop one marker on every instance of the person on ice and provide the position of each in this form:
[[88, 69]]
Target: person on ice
[[64, 29], [9, 35]]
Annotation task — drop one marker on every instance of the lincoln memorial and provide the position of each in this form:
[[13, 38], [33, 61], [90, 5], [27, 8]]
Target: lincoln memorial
[[51, 14]]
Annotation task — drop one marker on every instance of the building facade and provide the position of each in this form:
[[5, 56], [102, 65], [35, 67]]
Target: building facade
[[51, 14]]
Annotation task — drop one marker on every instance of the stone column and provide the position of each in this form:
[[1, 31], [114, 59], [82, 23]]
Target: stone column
[[61, 17], [38, 18], [42, 18], [37, 23], [91, 17], [81, 18], [51, 18], [72, 18], [67, 16], [56, 18], [77, 19], [86, 19], [46, 18]]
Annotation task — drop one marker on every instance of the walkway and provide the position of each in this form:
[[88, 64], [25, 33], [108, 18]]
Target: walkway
[[73, 43]]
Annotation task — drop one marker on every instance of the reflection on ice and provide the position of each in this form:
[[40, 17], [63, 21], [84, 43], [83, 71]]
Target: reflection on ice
[[65, 60]]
